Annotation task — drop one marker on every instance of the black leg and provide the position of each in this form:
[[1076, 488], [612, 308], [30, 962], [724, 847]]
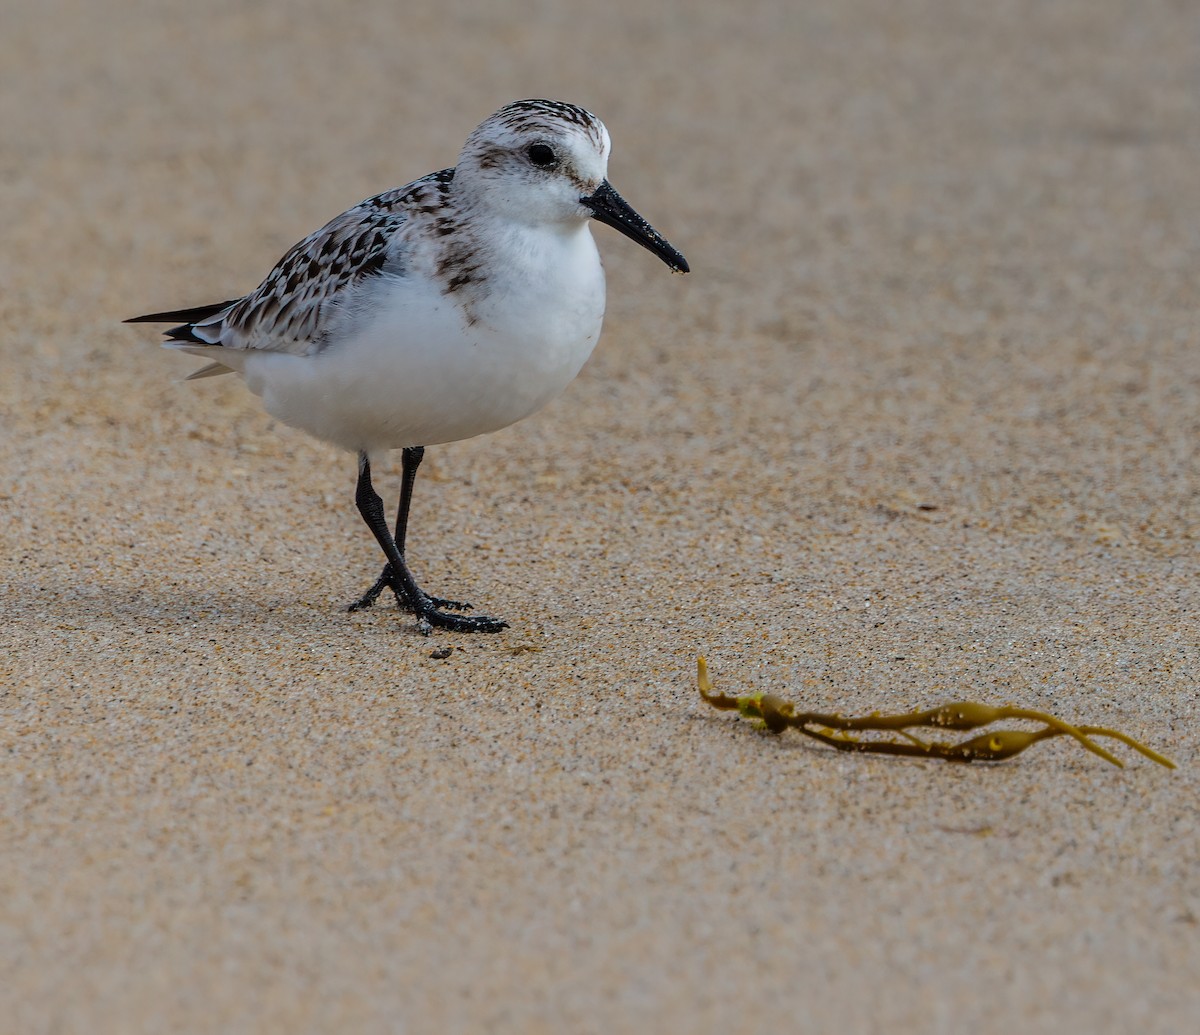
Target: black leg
[[411, 458], [408, 593]]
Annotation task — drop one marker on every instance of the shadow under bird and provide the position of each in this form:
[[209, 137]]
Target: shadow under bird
[[445, 309]]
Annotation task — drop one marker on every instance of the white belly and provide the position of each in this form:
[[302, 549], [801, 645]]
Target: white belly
[[418, 369]]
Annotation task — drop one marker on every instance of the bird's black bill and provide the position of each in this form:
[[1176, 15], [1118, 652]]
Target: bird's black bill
[[607, 206]]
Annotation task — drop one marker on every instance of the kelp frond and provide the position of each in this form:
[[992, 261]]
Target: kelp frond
[[838, 731]]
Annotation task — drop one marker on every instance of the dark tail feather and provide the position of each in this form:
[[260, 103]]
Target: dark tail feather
[[186, 316]]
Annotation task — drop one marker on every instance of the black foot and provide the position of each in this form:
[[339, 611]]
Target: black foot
[[429, 610], [385, 581], [371, 595], [429, 618]]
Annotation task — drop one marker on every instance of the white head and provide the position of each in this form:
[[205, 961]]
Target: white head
[[539, 162], [533, 160]]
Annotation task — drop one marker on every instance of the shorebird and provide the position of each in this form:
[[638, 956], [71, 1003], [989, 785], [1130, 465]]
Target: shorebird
[[438, 311]]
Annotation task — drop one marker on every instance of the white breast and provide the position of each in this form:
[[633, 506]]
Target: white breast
[[420, 366]]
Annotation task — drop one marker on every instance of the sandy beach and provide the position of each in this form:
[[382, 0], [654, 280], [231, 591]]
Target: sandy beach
[[921, 425]]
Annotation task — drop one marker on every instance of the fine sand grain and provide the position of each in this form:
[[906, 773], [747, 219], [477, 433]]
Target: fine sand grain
[[921, 425]]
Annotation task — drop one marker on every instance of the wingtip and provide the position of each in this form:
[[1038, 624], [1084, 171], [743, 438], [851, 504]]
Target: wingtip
[[186, 316]]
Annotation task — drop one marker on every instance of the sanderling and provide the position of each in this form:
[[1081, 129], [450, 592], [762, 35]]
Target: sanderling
[[434, 312]]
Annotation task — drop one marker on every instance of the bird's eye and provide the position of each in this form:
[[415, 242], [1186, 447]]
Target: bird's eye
[[541, 155]]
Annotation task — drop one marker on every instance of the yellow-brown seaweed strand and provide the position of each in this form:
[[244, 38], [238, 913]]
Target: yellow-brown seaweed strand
[[777, 715]]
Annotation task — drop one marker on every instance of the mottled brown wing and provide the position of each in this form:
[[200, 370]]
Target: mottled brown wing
[[294, 307]]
